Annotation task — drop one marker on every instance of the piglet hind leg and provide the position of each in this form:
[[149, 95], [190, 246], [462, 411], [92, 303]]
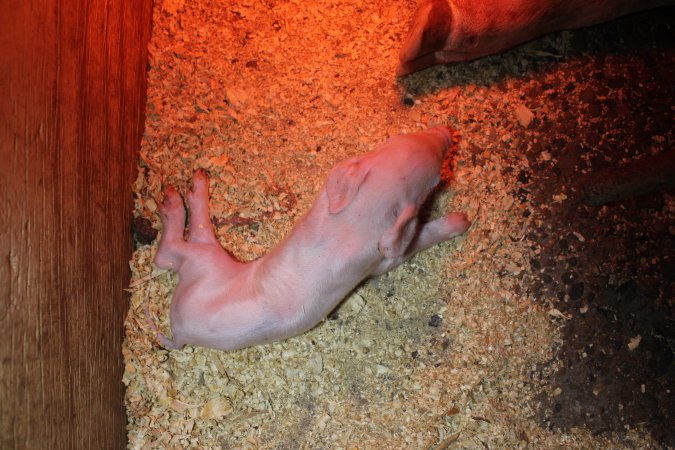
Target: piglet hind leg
[[201, 229], [172, 213]]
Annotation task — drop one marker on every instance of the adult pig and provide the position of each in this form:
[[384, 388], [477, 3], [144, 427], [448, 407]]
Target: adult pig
[[363, 222], [446, 31]]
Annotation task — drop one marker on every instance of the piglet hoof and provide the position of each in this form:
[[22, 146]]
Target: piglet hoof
[[172, 213], [456, 223], [168, 343], [198, 195], [172, 204], [200, 181]]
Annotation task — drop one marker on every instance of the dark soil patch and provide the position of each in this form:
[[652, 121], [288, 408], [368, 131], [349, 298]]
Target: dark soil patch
[[611, 268]]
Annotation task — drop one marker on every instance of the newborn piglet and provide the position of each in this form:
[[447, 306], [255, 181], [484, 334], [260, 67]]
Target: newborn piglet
[[363, 222]]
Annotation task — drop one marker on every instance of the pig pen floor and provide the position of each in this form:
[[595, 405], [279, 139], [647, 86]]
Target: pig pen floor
[[549, 324]]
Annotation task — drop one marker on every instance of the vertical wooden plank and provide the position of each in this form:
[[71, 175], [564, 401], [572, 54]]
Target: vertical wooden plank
[[73, 77]]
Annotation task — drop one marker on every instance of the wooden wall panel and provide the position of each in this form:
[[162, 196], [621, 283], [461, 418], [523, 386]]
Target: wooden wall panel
[[72, 79]]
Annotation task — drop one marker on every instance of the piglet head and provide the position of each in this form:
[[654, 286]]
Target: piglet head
[[405, 169], [440, 138], [418, 157], [380, 193]]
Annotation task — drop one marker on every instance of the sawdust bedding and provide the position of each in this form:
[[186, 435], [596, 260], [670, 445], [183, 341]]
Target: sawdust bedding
[[268, 96]]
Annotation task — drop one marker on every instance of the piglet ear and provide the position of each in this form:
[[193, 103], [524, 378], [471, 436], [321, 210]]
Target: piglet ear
[[344, 182]]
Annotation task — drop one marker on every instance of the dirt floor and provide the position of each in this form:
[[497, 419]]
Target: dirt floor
[[549, 324]]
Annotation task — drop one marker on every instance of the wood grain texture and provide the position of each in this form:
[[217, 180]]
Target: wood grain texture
[[72, 77]]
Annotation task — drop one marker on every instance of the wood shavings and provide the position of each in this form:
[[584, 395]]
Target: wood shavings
[[216, 408], [523, 115], [634, 343], [268, 97]]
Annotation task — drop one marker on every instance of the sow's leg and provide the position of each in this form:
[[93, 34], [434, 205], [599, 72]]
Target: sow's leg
[[446, 31]]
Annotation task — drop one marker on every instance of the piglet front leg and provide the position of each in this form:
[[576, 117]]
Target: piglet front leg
[[439, 230], [429, 234]]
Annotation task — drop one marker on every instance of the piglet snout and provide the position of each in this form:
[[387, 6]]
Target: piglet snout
[[445, 134]]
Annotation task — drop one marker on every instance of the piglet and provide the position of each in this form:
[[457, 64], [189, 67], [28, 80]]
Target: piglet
[[363, 222], [446, 31]]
